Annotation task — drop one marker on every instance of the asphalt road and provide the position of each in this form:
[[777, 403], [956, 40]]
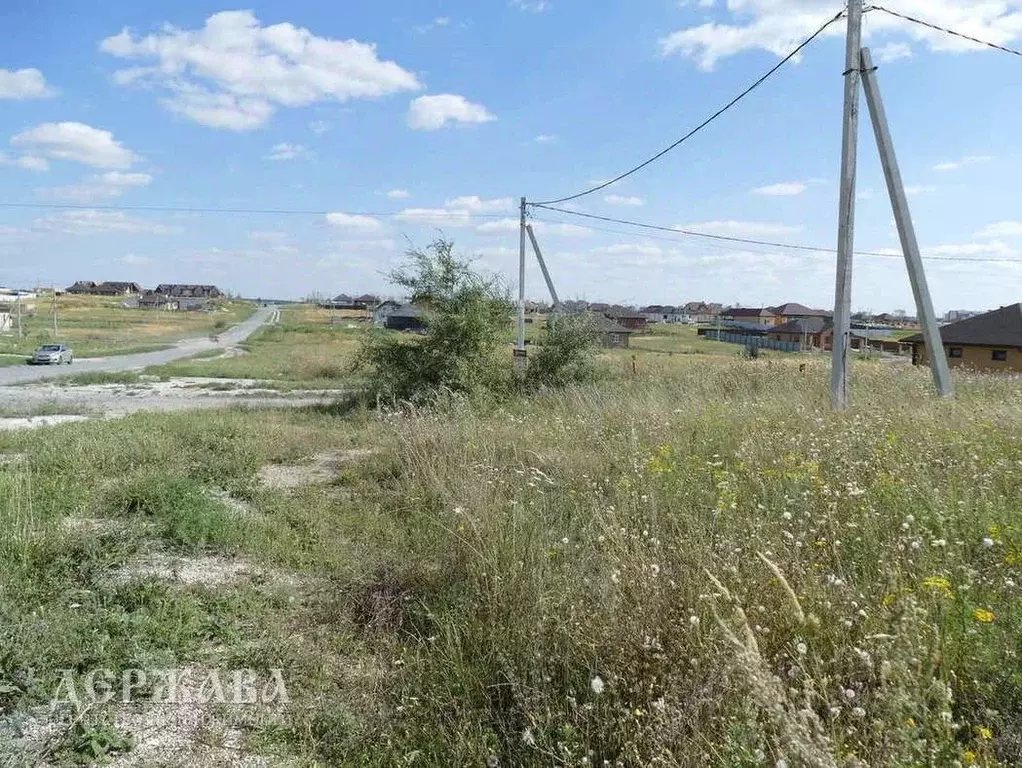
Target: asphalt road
[[17, 374]]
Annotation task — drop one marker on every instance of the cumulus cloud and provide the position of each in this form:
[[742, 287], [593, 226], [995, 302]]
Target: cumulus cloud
[[731, 228], [954, 165], [88, 222], [545, 138], [399, 194], [28, 162], [892, 52], [1002, 229], [501, 227], [783, 189], [24, 84], [234, 73], [354, 222], [532, 6], [430, 113], [104, 186], [77, 142], [778, 26], [286, 151]]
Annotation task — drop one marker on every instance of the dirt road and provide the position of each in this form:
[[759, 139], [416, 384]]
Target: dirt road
[[17, 374]]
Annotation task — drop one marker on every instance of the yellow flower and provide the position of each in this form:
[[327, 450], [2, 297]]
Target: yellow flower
[[888, 600], [969, 757], [911, 723], [984, 732], [994, 530], [983, 615], [939, 584]]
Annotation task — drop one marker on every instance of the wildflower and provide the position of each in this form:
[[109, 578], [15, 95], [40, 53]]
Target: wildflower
[[858, 712], [564, 540], [984, 733], [848, 693], [655, 570], [983, 615], [693, 621], [802, 649], [528, 739], [786, 515], [969, 757], [939, 584], [988, 542], [596, 684], [939, 543]]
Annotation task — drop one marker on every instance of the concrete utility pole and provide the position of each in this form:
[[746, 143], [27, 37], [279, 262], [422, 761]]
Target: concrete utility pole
[[520, 347], [542, 266], [906, 230], [846, 212], [21, 333], [54, 313]]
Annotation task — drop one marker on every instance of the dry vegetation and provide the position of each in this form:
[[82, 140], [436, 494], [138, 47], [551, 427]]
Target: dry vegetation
[[699, 564]]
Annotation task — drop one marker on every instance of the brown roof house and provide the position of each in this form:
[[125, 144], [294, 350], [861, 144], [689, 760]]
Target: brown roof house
[[795, 311], [758, 315], [187, 291], [987, 342], [627, 318]]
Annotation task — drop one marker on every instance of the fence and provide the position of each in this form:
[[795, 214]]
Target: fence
[[759, 342]]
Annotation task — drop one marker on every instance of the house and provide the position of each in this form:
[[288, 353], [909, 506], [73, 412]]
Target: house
[[698, 312], [988, 342], [188, 291], [406, 318], [795, 311], [807, 332], [611, 334], [658, 313], [627, 318], [188, 304], [382, 312], [154, 300], [895, 321], [82, 287], [366, 301], [757, 316], [115, 288]]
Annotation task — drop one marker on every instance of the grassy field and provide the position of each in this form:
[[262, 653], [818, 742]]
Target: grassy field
[[95, 326], [698, 564]]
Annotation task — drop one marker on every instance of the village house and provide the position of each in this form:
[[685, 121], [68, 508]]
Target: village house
[[757, 316], [110, 288], [382, 312], [627, 318], [785, 313], [610, 333], [154, 300], [699, 312], [660, 313], [189, 291], [987, 342], [807, 332], [406, 318]]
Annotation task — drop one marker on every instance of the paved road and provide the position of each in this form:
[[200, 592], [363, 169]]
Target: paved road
[[17, 374]]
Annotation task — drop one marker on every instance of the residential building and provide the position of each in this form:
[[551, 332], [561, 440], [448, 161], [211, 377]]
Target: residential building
[[627, 318], [382, 312], [407, 318], [699, 312], [154, 300], [612, 334], [785, 313], [988, 342], [189, 291], [659, 313], [807, 332], [758, 315], [110, 288]]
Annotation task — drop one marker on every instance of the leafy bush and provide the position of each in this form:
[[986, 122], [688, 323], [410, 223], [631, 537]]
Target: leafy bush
[[566, 355], [465, 350]]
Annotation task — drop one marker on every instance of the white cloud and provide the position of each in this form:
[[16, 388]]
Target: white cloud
[[234, 73], [104, 186], [132, 258], [532, 6], [893, 51], [86, 222], [436, 217], [285, 151], [436, 23], [77, 142], [913, 190], [28, 162], [430, 113], [319, 127], [354, 222], [399, 194], [783, 189], [24, 84], [1002, 229], [631, 249], [954, 165], [475, 204], [730, 228], [500, 227], [992, 248], [622, 200], [545, 138], [778, 26]]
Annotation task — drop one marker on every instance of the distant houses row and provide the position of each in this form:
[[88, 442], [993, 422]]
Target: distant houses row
[[165, 296]]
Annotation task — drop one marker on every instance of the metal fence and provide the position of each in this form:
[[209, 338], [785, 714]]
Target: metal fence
[[759, 342]]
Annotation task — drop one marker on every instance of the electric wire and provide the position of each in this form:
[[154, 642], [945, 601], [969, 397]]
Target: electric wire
[[409, 214], [946, 31], [706, 122], [752, 241]]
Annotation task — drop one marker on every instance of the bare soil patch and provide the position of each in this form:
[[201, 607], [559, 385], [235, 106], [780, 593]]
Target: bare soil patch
[[321, 469]]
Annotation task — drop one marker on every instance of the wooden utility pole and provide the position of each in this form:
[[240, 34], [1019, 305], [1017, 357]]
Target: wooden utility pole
[[846, 212], [906, 229]]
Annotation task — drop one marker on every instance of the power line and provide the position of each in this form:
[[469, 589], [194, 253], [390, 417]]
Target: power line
[[410, 214], [947, 31], [752, 241], [706, 122]]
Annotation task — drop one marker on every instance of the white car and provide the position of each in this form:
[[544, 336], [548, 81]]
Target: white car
[[49, 354]]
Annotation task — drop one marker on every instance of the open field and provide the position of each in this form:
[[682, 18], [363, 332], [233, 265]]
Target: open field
[[700, 564], [97, 326]]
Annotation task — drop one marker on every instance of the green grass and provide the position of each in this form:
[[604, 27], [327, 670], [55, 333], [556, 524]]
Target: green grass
[[97, 326], [699, 564]]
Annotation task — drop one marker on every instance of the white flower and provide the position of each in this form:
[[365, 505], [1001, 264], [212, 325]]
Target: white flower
[[596, 684], [786, 515], [858, 712], [939, 543], [802, 649], [693, 621], [564, 540], [528, 738], [848, 693], [988, 542]]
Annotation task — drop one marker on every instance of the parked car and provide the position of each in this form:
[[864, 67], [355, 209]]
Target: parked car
[[48, 354]]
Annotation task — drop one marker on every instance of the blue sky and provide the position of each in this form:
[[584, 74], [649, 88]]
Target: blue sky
[[442, 113]]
